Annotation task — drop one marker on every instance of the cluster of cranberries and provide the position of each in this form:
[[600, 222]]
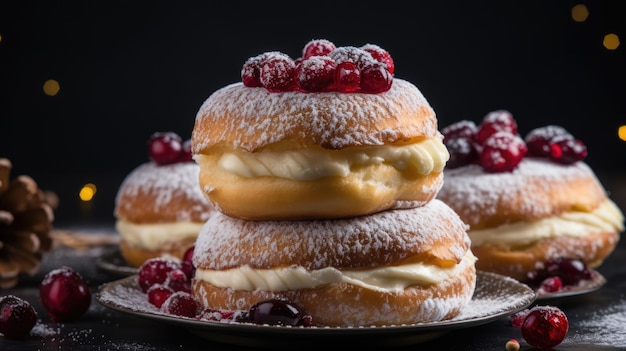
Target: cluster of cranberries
[[559, 273], [168, 147], [167, 284], [543, 327], [322, 67], [496, 145], [64, 295]]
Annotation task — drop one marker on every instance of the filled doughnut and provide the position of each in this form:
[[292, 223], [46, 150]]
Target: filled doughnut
[[282, 145], [159, 210], [394, 267], [527, 201]]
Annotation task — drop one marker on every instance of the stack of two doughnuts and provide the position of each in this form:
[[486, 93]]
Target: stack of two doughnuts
[[327, 199]]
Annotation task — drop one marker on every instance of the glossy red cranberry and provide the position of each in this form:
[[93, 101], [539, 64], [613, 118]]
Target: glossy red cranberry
[[539, 139], [375, 78], [154, 271], [186, 264], [347, 77], [251, 71], [359, 57], [177, 280], [381, 55], [550, 285], [517, 319], [186, 154], [180, 303], [567, 151], [165, 147], [315, 73], [461, 129], [502, 152], [317, 47], [545, 327], [462, 152], [276, 312], [493, 122], [64, 295], [570, 270], [158, 293], [277, 73], [17, 317]]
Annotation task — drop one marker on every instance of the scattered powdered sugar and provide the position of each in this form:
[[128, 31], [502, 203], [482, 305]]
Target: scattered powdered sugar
[[605, 327], [241, 116], [163, 182], [476, 194], [42, 330], [389, 236]]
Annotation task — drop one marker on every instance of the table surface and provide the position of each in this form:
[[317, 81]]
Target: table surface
[[597, 320]]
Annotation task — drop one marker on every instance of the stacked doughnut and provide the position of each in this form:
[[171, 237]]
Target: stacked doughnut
[[324, 191], [527, 201], [159, 208]]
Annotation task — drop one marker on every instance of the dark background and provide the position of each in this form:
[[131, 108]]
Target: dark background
[[128, 69]]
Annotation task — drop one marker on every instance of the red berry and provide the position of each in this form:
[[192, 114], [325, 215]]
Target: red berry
[[567, 151], [517, 319], [539, 139], [495, 121], [17, 317], [276, 311], [461, 129], [545, 327], [315, 73], [462, 152], [186, 264], [180, 303], [502, 152], [64, 294], [381, 55], [154, 271], [177, 280], [550, 285], [347, 77], [277, 73], [165, 147], [158, 293], [375, 78], [186, 154], [359, 57], [317, 47]]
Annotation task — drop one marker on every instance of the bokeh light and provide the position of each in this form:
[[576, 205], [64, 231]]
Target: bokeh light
[[87, 192], [51, 87], [580, 13], [611, 41], [621, 132]]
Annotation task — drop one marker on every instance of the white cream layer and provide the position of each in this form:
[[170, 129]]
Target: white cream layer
[[155, 236], [395, 278], [606, 218], [422, 158]]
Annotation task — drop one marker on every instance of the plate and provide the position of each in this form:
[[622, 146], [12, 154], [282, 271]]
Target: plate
[[495, 296], [113, 262], [583, 287]]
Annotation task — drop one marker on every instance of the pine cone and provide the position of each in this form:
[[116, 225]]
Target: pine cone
[[26, 218]]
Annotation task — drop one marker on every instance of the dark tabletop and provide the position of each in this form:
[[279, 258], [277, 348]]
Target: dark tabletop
[[597, 320]]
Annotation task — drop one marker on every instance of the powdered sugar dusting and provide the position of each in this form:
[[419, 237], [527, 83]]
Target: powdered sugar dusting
[[604, 328], [479, 193], [163, 182], [226, 242], [337, 119]]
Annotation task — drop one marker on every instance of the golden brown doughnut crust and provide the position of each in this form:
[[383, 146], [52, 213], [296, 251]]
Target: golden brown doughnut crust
[[349, 305], [432, 233], [517, 262], [537, 189], [263, 198], [253, 118]]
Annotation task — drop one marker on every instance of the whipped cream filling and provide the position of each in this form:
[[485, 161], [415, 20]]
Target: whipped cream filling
[[388, 278], [422, 158], [155, 236], [606, 218]]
